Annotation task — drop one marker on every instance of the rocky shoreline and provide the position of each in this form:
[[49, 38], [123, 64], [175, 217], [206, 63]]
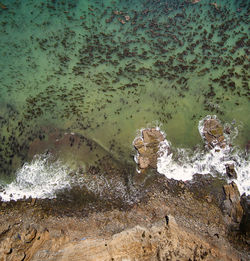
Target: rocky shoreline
[[150, 218], [78, 78], [172, 221]]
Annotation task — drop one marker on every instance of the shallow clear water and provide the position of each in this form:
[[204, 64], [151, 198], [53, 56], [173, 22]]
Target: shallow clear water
[[74, 66]]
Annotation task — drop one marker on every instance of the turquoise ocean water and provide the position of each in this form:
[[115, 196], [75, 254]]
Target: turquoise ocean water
[[102, 70]]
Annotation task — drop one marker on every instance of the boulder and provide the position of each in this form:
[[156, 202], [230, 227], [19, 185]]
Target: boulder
[[230, 170], [232, 206], [213, 133], [147, 147]]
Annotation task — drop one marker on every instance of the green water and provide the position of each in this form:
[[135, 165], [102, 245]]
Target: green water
[[73, 66]]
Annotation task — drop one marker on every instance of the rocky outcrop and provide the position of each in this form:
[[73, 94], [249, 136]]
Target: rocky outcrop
[[170, 223], [232, 206], [21, 243], [163, 241], [147, 147], [213, 133], [161, 220]]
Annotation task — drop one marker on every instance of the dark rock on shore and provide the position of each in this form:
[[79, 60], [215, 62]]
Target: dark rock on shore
[[232, 206], [245, 222], [231, 172], [207, 187]]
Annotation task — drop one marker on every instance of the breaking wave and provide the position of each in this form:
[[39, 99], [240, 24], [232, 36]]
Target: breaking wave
[[182, 164], [41, 178]]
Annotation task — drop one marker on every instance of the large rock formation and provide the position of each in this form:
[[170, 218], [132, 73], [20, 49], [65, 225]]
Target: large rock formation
[[148, 147], [232, 206], [213, 133], [170, 223], [214, 137], [165, 240], [22, 244], [159, 242]]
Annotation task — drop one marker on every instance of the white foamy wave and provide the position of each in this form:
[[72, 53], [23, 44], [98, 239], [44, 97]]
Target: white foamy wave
[[39, 179], [183, 164], [243, 176]]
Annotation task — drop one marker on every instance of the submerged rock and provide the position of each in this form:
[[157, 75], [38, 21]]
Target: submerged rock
[[213, 133], [148, 147]]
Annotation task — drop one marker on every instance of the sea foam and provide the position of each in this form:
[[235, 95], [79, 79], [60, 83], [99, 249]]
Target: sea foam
[[182, 164], [41, 178]]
